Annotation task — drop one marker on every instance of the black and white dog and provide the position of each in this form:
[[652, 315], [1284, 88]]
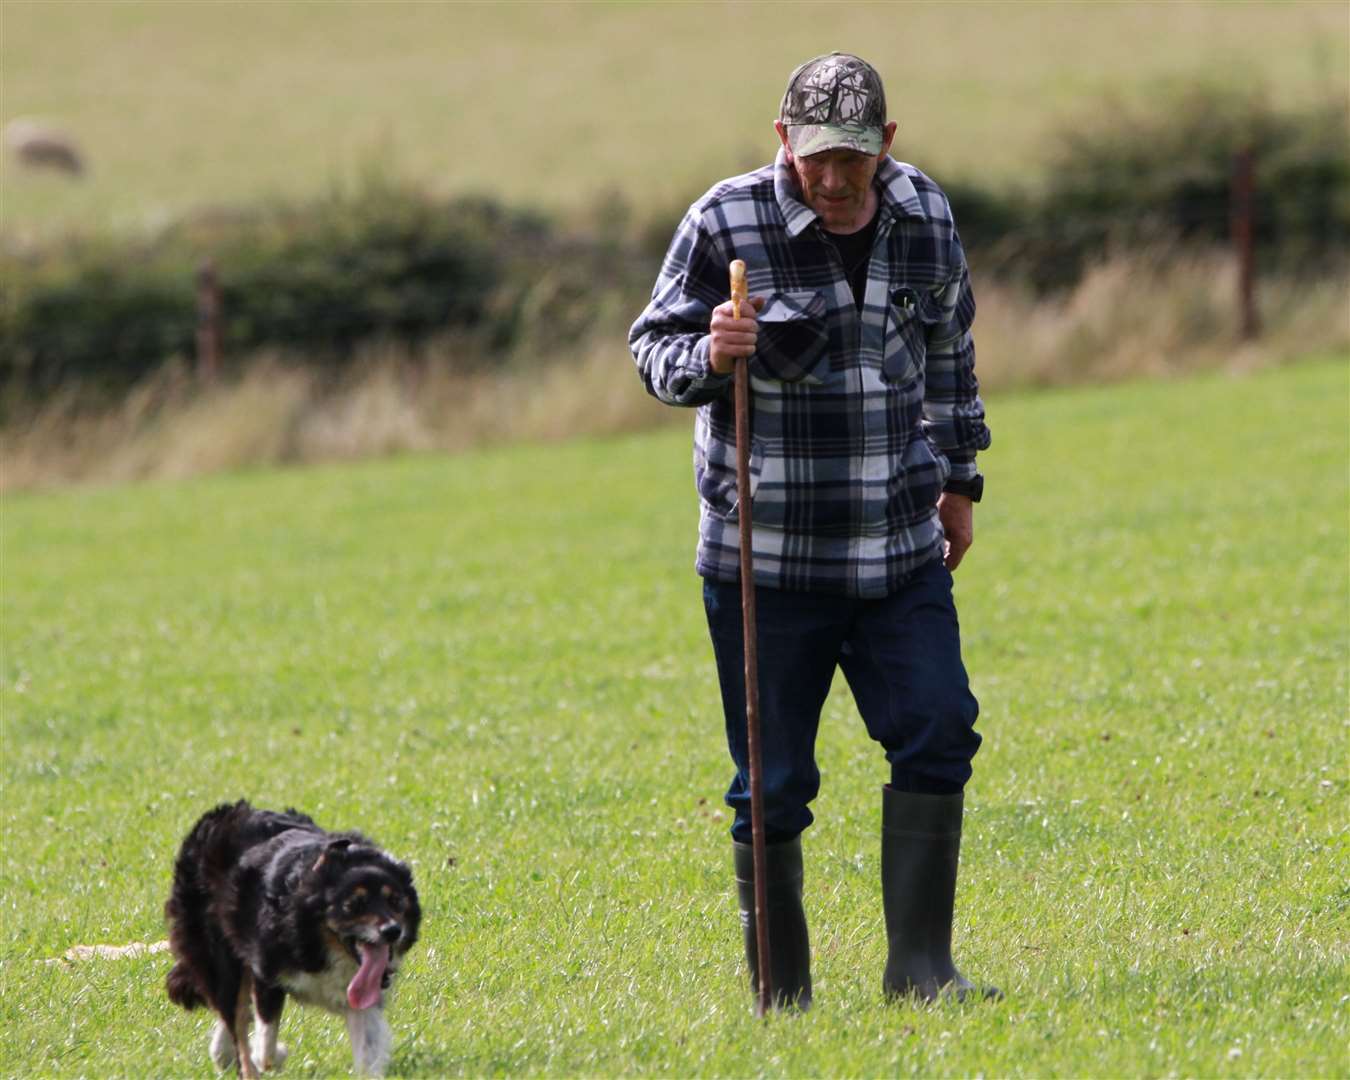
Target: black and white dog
[[266, 904]]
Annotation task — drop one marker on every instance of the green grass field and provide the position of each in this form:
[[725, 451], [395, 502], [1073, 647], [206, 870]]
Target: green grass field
[[181, 105], [496, 665]]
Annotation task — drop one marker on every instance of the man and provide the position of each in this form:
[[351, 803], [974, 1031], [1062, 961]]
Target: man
[[866, 422]]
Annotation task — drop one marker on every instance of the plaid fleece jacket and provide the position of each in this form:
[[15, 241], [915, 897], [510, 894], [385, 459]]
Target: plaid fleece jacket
[[859, 417]]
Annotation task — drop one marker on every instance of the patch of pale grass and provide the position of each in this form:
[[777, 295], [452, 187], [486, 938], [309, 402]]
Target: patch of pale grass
[[1151, 315], [394, 403], [276, 412], [1145, 315], [166, 428]]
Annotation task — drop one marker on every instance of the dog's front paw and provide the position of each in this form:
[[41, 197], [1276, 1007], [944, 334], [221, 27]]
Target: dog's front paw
[[371, 1041], [279, 1056], [222, 1046], [267, 1052]]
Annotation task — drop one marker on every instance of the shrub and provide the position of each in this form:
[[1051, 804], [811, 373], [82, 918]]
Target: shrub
[[1132, 176], [322, 278], [96, 312]]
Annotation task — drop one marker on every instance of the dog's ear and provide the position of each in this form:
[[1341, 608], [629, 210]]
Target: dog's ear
[[335, 851]]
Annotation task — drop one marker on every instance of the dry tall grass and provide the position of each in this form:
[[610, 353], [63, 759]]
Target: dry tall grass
[[277, 410], [1149, 315], [1131, 316]]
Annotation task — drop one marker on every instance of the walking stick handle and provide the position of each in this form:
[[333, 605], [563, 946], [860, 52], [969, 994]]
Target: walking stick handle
[[739, 292]]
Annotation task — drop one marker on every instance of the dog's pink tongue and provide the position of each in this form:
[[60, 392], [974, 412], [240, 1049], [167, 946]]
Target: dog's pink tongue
[[364, 989]]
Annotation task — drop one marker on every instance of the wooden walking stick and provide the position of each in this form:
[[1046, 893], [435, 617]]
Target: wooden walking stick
[[739, 295]]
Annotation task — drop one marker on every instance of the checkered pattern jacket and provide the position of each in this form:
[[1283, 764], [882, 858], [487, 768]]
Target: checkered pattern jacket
[[859, 418]]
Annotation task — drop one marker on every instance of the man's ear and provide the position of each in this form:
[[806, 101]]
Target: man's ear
[[779, 127], [887, 137]]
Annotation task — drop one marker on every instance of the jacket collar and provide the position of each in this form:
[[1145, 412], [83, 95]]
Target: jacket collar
[[898, 195]]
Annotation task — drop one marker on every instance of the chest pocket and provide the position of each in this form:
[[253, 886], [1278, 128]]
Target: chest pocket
[[913, 313], [793, 342]]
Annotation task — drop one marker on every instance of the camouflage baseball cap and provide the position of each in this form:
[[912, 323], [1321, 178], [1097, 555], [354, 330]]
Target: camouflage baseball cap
[[834, 102]]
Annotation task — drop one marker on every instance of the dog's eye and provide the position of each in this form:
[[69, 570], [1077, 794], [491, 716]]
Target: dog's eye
[[397, 903]]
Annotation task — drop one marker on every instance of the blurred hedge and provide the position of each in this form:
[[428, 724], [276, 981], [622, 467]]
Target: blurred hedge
[[1127, 176], [392, 262], [387, 262]]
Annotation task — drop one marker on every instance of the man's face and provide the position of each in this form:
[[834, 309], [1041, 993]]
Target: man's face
[[835, 183]]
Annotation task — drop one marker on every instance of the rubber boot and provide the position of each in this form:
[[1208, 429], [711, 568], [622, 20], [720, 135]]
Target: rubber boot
[[920, 848], [789, 945]]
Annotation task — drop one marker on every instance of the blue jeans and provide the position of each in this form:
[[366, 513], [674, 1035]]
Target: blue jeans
[[901, 656]]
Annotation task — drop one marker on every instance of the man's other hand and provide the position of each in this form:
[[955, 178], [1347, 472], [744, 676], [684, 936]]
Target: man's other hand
[[733, 338], [957, 514]]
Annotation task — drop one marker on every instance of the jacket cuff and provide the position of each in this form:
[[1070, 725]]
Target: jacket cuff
[[963, 467], [699, 377]]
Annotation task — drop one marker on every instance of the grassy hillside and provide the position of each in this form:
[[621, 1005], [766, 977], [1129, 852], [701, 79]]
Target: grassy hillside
[[180, 105], [496, 665]]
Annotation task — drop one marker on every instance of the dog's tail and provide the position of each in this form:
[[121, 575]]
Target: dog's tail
[[199, 876], [182, 987]]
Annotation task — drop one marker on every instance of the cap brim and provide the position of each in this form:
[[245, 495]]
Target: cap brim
[[808, 139]]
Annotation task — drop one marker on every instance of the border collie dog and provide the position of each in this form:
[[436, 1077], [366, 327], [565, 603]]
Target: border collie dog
[[267, 904]]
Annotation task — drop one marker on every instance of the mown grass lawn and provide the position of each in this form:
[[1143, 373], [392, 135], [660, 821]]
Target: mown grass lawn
[[496, 665]]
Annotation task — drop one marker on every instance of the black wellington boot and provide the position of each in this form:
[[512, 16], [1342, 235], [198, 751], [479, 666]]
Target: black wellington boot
[[920, 848], [789, 945]]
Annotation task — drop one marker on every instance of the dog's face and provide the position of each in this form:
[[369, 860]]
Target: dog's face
[[370, 911]]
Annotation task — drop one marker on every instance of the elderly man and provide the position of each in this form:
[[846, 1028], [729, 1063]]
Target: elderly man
[[867, 419]]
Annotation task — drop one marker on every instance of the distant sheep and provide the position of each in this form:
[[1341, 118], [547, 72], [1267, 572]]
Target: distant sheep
[[36, 146]]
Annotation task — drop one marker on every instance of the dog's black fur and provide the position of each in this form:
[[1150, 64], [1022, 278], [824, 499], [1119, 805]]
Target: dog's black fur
[[266, 904]]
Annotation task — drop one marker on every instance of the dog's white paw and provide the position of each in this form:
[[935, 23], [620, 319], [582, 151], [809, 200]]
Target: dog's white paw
[[371, 1041], [267, 1052], [272, 1062], [222, 1046]]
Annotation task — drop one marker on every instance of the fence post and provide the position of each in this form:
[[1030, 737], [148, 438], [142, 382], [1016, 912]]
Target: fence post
[[208, 322], [1244, 241]]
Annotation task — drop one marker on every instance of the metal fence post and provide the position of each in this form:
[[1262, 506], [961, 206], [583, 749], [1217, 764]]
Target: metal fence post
[[208, 322], [1244, 241]]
